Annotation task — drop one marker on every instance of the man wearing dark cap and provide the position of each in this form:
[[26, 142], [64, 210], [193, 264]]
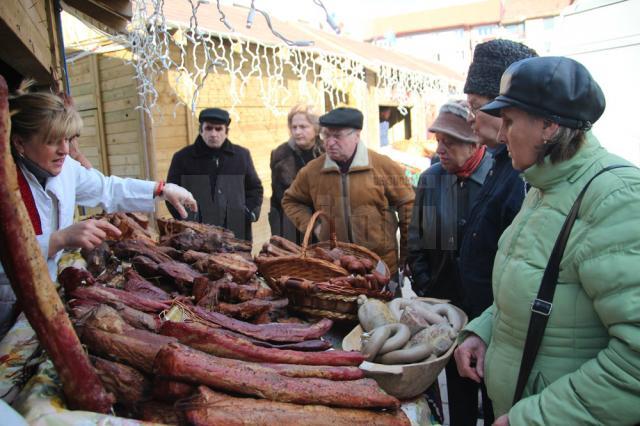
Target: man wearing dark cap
[[559, 345], [366, 193], [498, 202], [220, 175]]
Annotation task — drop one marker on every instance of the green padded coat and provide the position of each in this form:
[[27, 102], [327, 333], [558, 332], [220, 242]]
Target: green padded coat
[[588, 368]]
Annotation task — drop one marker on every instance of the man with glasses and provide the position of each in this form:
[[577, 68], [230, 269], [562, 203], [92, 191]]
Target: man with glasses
[[497, 203], [366, 193], [220, 175]]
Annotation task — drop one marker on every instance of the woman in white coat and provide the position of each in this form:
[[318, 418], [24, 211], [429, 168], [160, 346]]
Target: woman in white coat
[[52, 184]]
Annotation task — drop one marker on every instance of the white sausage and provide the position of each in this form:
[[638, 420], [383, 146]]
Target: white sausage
[[428, 313], [450, 312], [407, 356], [400, 335]]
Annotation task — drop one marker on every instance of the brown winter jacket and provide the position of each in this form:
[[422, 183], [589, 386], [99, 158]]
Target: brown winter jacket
[[369, 195]]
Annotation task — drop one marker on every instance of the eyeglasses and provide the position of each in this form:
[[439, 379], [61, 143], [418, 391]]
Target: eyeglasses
[[473, 110], [325, 136]]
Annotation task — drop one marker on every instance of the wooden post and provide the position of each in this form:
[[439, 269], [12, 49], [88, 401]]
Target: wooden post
[[56, 47], [102, 138], [149, 146]]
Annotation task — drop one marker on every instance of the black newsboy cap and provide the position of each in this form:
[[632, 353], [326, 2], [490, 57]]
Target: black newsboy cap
[[215, 115], [342, 117], [552, 87]]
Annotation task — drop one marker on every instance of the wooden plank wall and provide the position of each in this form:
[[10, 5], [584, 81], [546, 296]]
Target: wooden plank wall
[[122, 123], [85, 86], [104, 91]]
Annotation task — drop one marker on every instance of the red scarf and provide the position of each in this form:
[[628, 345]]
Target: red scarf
[[29, 202], [471, 164]]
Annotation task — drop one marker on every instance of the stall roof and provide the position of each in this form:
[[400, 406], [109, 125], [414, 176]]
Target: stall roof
[[111, 16], [179, 13], [30, 34]]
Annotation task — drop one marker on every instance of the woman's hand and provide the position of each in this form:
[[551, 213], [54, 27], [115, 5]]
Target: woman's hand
[[85, 235], [503, 420], [470, 358], [179, 198]]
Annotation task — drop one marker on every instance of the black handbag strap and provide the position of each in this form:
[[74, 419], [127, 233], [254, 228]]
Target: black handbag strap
[[542, 305]]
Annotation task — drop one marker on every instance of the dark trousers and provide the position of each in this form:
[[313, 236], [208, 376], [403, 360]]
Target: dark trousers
[[463, 399]]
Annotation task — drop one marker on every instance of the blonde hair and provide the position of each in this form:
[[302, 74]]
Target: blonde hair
[[308, 112], [34, 113]]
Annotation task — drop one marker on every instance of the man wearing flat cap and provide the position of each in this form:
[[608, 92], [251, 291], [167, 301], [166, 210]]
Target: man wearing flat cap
[[498, 201], [367, 194], [220, 175]]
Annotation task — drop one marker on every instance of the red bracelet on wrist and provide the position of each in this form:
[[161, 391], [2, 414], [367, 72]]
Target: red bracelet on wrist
[[159, 188]]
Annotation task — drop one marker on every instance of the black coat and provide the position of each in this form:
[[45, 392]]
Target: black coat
[[286, 162], [438, 222], [498, 203], [224, 182]]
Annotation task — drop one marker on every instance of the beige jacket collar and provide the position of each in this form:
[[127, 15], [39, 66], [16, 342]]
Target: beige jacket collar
[[360, 161]]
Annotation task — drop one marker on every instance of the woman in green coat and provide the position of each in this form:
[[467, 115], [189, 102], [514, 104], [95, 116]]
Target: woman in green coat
[[587, 370]]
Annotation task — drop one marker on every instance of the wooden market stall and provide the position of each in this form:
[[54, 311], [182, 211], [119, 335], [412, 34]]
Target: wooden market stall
[[255, 76]]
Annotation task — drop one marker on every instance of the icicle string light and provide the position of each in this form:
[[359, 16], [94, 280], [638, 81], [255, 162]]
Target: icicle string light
[[187, 56]]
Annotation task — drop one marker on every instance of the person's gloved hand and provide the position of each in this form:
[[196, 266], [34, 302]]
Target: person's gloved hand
[[179, 198]]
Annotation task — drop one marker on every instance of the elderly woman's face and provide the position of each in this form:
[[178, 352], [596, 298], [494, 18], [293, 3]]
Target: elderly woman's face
[[453, 153], [47, 154], [302, 131], [524, 135]]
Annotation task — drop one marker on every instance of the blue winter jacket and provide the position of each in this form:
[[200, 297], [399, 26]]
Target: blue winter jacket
[[497, 204], [438, 221]]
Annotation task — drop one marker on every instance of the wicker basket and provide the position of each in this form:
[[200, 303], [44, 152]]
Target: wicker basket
[[324, 305], [320, 303], [302, 266], [403, 380], [331, 304]]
